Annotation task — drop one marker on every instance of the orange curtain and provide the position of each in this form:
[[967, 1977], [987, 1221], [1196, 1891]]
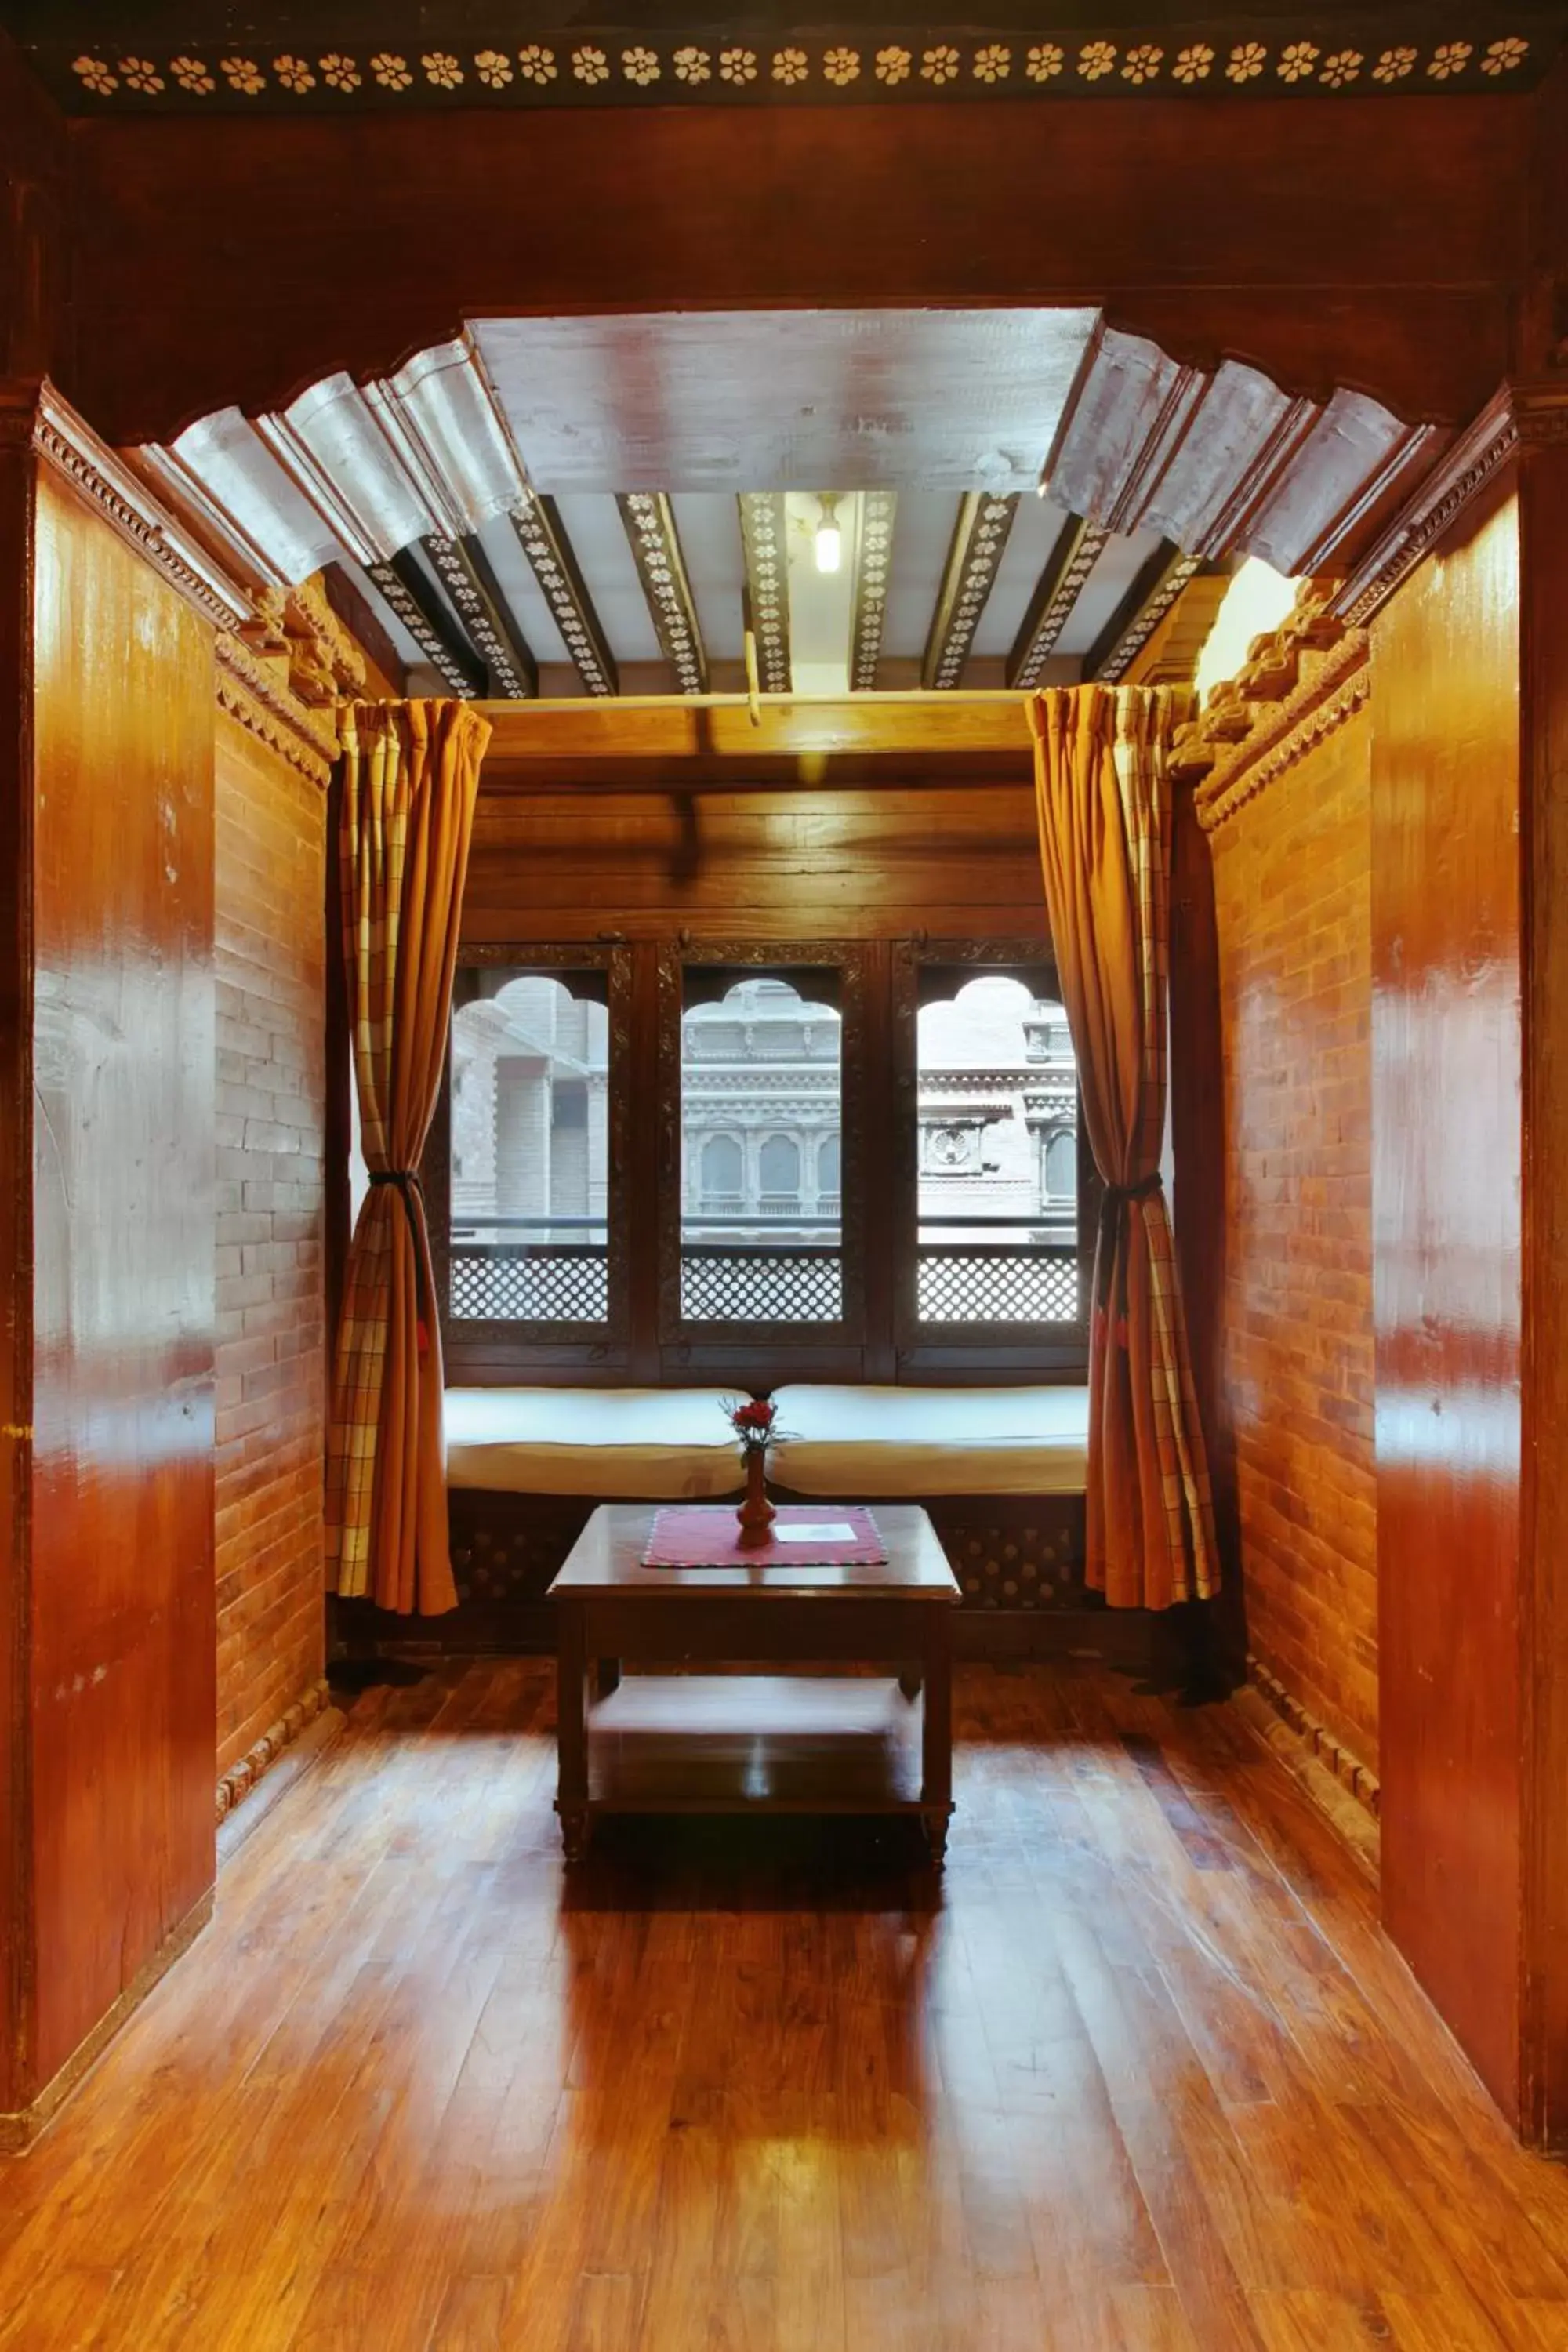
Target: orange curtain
[[411, 774], [1103, 794]]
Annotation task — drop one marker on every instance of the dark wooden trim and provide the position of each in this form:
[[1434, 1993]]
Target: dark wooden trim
[[649, 521], [489, 623], [873, 577], [1060, 584], [423, 614], [542, 535], [765, 549], [1139, 613], [974, 555]]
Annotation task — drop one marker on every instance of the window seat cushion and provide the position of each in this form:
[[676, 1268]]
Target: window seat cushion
[[670, 1444], [616, 1444], [907, 1442]]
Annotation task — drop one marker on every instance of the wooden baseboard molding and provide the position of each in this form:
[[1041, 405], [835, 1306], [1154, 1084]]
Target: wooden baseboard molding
[[20, 2127], [1269, 1715], [240, 1779], [1357, 1779], [306, 1752]]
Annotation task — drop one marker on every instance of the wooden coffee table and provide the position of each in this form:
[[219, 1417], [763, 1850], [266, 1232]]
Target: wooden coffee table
[[754, 1742]]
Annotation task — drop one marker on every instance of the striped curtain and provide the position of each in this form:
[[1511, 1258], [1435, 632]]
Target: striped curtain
[[411, 774], [1103, 797]]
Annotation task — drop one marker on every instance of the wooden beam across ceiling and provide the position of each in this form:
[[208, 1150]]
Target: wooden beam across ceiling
[[471, 587], [542, 538], [1139, 613], [766, 552], [414, 599], [869, 588], [649, 521], [1057, 589], [657, 731], [979, 537]]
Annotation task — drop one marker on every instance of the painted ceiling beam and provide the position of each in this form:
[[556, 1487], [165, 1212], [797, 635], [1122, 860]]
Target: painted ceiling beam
[[649, 521], [1061, 582], [1139, 613], [424, 612], [766, 552], [974, 557], [542, 535], [873, 577]]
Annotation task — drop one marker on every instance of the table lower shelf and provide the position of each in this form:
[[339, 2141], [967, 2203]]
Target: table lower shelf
[[745, 1743]]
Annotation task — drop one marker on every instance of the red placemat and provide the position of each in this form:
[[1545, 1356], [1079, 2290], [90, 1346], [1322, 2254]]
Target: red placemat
[[704, 1535]]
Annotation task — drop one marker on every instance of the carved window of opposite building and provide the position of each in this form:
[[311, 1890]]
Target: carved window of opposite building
[[528, 1170], [997, 1151]]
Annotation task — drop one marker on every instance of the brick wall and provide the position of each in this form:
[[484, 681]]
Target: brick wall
[[270, 844], [1292, 885]]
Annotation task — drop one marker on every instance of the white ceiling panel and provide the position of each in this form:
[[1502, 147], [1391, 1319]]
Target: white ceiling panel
[[707, 524], [1037, 525], [787, 400], [921, 536], [599, 542]]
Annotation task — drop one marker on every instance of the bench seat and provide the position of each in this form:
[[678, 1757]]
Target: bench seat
[[670, 1444], [906, 1442]]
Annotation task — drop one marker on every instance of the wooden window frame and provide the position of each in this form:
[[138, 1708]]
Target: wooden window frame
[[644, 1340], [788, 1351], [943, 1351], [495, 1350]]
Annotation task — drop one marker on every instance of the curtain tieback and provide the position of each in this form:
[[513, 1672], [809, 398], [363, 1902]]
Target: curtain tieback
[[407, 1183], [1119, 1193], [1113, 1201]]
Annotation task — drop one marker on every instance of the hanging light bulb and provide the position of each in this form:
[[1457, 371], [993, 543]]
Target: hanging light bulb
[[829, 538]]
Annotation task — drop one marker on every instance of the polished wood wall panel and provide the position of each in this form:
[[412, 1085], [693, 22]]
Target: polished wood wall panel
[[15, 1243], [857, 864], [1292, 881], [270, 949], [121, 1603], [1378, 244], [1446, 1062]]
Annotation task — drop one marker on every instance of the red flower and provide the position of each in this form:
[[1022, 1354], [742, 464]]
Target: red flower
[[758, 1414]]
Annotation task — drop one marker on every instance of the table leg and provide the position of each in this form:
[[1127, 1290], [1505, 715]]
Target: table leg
[[570, 1732], [936, 1732], [909, 1681], [608, 1676]]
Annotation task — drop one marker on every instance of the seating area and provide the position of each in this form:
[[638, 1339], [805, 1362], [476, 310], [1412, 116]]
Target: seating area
[[846, 1443]]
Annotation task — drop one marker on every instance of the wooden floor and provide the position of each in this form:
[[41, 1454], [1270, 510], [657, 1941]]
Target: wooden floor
[[1142, 2075]]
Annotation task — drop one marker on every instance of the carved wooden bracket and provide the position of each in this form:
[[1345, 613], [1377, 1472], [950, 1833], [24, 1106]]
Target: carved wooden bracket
[[324, 664], [1298, 684]]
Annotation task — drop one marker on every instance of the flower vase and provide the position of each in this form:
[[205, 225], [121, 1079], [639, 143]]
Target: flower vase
[[756, 1513]]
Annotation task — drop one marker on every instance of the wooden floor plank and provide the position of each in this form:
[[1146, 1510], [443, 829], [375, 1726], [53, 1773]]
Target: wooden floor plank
[[1142, 2074]]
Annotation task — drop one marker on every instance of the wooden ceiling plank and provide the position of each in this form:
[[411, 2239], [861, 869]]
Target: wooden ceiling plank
[[409, 593], [1139, 613], [662, 729], [873, 579], [766, 554], [1060, 584], [649, 521], [464, 571], [542, 535], [974, 557]]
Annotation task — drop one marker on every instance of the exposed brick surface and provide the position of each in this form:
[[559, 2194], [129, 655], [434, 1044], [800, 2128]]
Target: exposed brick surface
[[270, 1327], [1292, 883]]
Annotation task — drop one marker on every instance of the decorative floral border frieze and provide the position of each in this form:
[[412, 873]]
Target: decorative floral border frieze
[[979, 543], [1062, 582], [560, 583], [625, 65], [1300, 685], [1119, 660], [873, 577], [649, 521], [240, 1779], [766, 552]]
